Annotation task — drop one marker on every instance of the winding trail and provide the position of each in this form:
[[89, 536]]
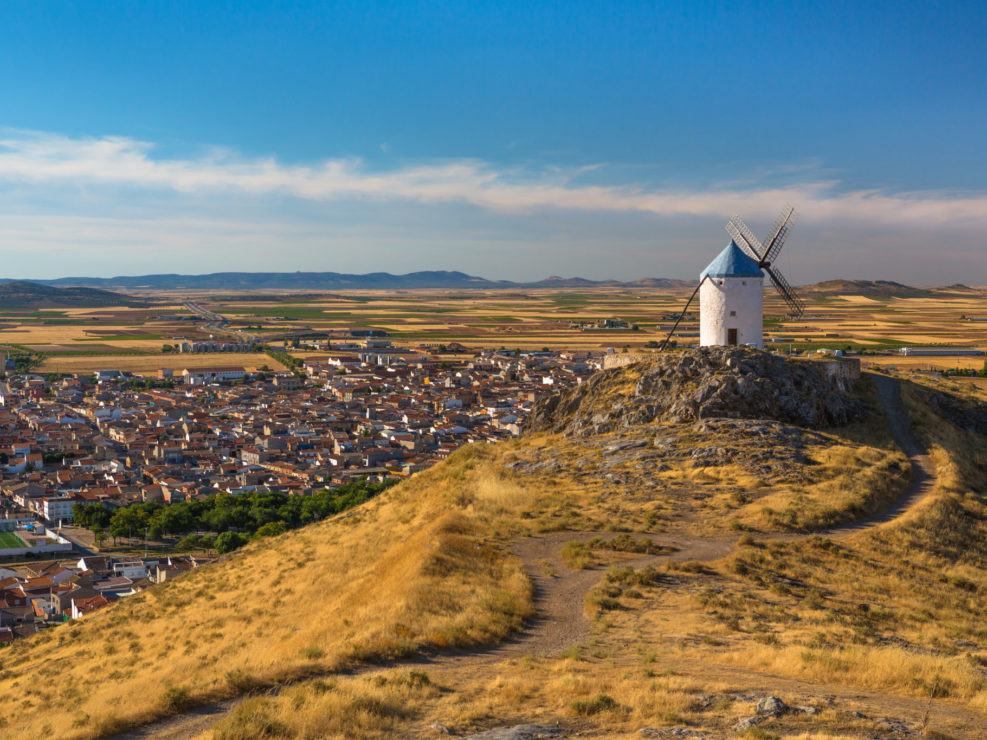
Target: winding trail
[[561, 622]]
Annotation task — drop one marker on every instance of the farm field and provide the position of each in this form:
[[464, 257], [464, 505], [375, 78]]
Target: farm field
[[150, 364], [82, 340]]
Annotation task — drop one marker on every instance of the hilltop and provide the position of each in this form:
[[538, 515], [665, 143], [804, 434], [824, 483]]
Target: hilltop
[[21, 294], [880, 289], [692, 574], [710, 382]]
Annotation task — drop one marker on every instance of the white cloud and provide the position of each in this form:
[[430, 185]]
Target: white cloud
[[41, 158], [113, 205]]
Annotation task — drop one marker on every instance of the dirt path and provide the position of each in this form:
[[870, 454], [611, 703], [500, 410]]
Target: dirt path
[[560, 593], [923, 473]]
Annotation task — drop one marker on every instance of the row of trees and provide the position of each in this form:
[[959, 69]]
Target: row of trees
[[968, 372], [233, 517], [291, 362]]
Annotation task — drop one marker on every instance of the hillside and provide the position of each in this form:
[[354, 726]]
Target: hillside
[[664, 572], [23, 295], [880, 289]]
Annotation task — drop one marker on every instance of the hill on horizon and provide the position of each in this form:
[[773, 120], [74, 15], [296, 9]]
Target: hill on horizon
[[454, 280], [421, 280], [882, 289], [25, 294]]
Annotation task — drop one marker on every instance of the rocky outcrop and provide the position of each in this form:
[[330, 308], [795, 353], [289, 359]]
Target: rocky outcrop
[[520, 732], [705, 383]]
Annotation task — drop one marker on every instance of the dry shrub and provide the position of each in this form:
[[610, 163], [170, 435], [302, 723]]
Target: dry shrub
[[370, 706]]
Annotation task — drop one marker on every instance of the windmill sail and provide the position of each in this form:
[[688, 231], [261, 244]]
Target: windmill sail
[[767, 253], [779, 233], [796, 306], [744, 238]]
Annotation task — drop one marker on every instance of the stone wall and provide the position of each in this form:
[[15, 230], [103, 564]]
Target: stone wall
[[621, 360]]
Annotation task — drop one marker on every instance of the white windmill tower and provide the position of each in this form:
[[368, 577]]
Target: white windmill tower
[[731, 288], [731, 300]]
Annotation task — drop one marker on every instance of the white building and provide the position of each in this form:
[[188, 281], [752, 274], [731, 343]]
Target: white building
[[131, 569], [203, 375], [731, 300], [57, 509]]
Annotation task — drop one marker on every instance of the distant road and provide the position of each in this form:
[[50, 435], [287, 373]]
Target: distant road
[[216, 323]]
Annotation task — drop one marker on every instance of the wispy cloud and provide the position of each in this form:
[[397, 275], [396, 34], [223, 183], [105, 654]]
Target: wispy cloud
[[42, 158]]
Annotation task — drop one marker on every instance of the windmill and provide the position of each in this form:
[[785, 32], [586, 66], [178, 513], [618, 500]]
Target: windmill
[[731, 288]]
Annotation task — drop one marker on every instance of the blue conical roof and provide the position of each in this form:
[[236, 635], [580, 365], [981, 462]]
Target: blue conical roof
[[732, 262]]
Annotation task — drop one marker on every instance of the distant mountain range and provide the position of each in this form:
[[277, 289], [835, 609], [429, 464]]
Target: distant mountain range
[[21, 294], [325, 281], [337, 281]]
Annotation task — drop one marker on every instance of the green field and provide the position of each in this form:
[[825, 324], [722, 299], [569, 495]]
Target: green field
[[9, 539]]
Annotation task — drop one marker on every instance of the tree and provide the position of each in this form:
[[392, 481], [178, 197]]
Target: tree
[[91, 516], [229, 541], [99, 536], [189, 542], [271, 529]]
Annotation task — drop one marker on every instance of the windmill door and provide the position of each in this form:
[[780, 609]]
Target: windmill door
[[732, 337]]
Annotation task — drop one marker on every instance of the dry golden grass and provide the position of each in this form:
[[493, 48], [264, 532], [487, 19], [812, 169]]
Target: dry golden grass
[[334, 593], [847, 473], [850, 482], [601, 699]]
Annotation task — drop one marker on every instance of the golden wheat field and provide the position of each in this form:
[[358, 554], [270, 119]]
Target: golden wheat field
[[526, 319], [150, 364]]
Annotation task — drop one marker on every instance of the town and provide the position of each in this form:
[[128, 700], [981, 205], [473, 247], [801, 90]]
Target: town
[[368, 412]]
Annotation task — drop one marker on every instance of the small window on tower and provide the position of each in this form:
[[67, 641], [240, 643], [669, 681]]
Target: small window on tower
[[733, 313], [719, 282], [743, 282]]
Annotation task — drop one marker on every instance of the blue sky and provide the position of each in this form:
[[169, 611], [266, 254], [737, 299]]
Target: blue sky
[[511, 140]]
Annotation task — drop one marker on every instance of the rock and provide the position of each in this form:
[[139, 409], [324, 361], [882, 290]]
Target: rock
[[748, 722], [621, 446], [771, 706], [699, 385], [673, 732], [520, 732], [441, 728], [893, 726]]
